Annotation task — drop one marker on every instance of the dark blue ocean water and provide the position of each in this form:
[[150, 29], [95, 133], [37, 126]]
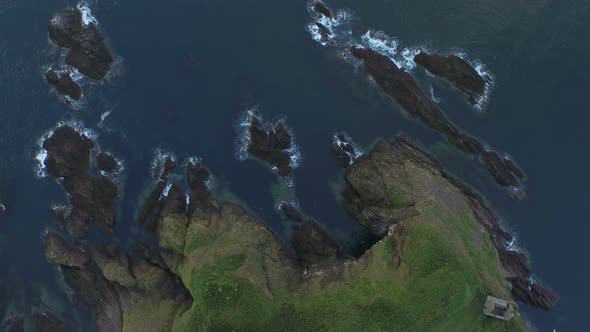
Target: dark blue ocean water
[[190, 68]]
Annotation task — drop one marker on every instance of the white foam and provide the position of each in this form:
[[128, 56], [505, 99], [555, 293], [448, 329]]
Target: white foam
[[482, 102], [103, 117], [160, 157], [243, 132], [294, 153], [194, 160], [337, 25], [380, 42], [188, 201], [388, 46], [407, 57], [357, 152], [166, 191], [87, 18], [432, 96], [512, 245]]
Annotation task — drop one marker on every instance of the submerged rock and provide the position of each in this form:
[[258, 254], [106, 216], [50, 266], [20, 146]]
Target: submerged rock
[[321, 8], [87, 49], [68, 152], [455, 70], [47, 322], [504, 170], [271, 145], [403, 88], [107, 163], [63, 85]]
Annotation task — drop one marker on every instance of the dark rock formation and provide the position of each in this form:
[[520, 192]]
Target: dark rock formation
[[87, 49], [91, 197], [92, 201], [152, 208], [402, 87], [13, 323], [515, 263], [532, 293], [312, 245], [163, 167], [457, 71], [321, 8], [68, 152], [47, 322], [380, 193], [271, 145], [504, 170], [344, 149], [63, 85], [201, 199], [58, 251], [325, 33], [107, 163]]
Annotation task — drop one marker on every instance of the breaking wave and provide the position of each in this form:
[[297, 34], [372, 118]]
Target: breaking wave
[[87, 17], [343, 38], [158, 163]]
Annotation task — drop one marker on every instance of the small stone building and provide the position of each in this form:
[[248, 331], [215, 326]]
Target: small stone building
[[498, 308]]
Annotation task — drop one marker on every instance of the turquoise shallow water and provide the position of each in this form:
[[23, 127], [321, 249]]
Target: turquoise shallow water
[[189, 68]]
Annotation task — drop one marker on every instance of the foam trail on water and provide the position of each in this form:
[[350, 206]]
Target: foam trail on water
[[432, 96]]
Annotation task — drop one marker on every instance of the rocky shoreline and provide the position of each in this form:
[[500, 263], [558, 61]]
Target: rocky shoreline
[[372, 208], [191, 223]]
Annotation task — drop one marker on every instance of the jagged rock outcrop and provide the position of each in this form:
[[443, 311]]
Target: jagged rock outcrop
[[455, 70], [401, 86], [398, 181], [68, 152], [107, 163], [271, 144], [312, 245], [64, 85], [87, 49]]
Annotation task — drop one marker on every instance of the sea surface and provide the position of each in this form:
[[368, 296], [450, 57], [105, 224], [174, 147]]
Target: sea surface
[[187, 70]]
